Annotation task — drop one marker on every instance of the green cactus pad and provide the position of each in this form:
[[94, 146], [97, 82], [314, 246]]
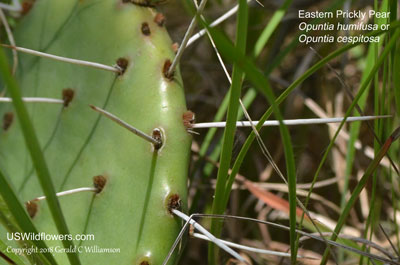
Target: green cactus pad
[[130, 215]]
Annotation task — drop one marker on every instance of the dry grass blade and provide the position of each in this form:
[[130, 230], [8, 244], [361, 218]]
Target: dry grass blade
[[300, 232], [212, 238], [390, 241], [252, 249]]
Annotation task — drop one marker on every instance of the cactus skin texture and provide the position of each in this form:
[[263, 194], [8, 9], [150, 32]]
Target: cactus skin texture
[[130, 213]]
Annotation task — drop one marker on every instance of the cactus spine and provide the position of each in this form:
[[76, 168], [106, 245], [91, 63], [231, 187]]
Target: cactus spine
[[81, 147]]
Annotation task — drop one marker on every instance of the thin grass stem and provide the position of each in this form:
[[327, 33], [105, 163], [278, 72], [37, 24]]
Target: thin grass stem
[[300, 232]]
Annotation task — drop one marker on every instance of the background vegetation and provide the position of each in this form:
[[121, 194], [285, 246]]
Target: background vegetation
[[283, 60]]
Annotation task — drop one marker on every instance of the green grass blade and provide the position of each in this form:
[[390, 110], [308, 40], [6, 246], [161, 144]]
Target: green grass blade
[[247, 100], [10, 255], [260, 82], [270, 28], [19, 214], [260, 43], [36, 155], [229, 132], [208, 168], [7, 220]]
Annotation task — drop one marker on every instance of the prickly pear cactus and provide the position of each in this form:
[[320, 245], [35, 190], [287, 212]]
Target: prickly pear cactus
[[130, 214]]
